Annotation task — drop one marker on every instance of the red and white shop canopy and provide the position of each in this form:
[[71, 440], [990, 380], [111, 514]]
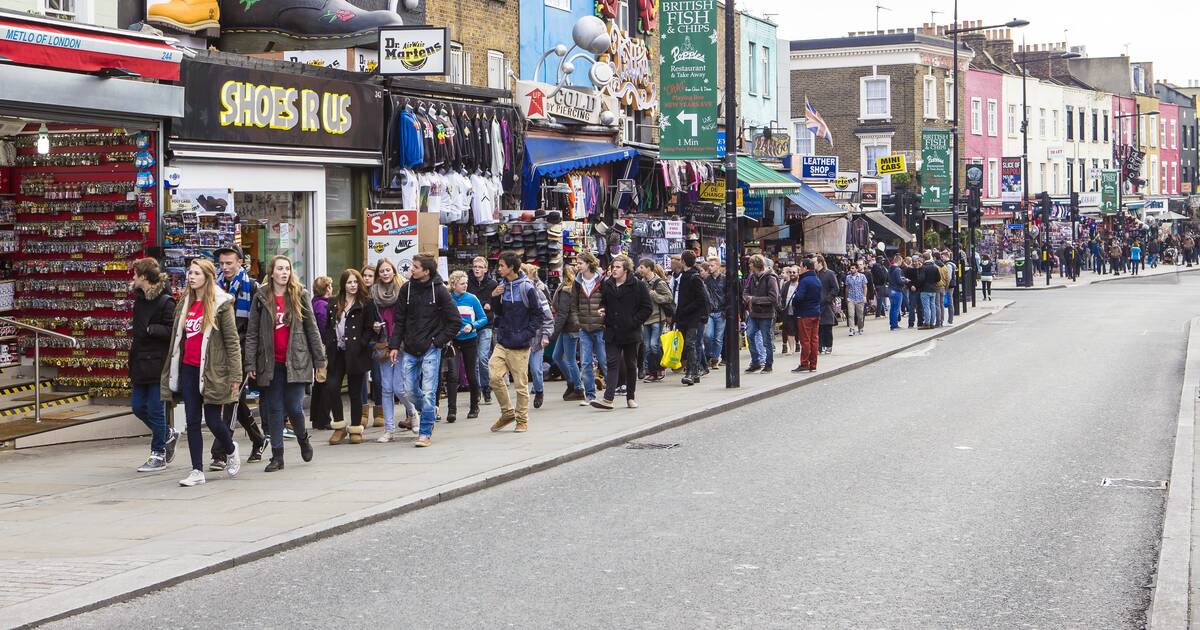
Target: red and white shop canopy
[[34, 41]]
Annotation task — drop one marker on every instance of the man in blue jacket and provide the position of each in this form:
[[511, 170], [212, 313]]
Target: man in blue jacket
[[806, 306], [519, 318], [896, 288]]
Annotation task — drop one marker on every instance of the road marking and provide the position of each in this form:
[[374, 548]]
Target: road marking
[[965, 448], [704, 492], [921, 351]]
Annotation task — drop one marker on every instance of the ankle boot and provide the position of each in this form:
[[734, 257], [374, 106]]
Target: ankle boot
[[339, 432], [378, 417], [356, 434], [306, 449], [366, 415], [276, 462]]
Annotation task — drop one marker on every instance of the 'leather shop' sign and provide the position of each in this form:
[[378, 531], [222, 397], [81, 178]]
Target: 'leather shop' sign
[[231, 104]]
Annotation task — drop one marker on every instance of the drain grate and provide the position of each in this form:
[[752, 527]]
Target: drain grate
[[1141, 484], [650, 446]]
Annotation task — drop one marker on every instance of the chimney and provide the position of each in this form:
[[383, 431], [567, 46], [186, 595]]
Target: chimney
[[1000, 47], [976, 41]]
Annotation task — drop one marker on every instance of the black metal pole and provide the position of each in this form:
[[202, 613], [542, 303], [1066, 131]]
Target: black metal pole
[[1028, 275], [733, 241], [956, 282]]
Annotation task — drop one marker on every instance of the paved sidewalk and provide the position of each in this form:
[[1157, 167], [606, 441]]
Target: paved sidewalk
[[79, 528], [1086, 278]]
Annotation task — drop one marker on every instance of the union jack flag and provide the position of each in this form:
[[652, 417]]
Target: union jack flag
[[816, 124]]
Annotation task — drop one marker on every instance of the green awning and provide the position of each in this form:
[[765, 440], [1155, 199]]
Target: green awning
[[762, 180]]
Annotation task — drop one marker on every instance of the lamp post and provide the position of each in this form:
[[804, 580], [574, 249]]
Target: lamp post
[[1025, 59], [960, 295], [733, 241], [1121, 158]]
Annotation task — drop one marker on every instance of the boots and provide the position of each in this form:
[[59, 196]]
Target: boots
[[276, 462], [356, 433], [251, 26], [378, 417], [188, 16], [366, 416], [339, 432], [306, 449]]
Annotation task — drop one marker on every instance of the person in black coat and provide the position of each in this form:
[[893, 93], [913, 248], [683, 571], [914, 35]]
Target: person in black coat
[[625, 305], [153, 316], [481, 284], [348, 339], [691, 313]]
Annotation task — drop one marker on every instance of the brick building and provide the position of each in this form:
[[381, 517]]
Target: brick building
[[877, 91], [484, 39]]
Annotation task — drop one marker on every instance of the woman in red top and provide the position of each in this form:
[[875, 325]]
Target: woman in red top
[[284, 352], [205, 367]]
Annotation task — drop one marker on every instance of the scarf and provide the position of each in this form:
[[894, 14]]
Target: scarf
[[242, 289], [385, 296]]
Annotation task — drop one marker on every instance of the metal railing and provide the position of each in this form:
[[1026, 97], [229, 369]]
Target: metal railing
[[37, 360]]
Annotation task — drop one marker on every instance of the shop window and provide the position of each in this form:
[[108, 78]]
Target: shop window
[[460, 64], [339, 204], [876, 97], [497, 78], [274, 223]]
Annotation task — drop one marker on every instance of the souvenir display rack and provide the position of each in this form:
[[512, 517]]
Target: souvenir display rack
[[78, 217], [195, 227]]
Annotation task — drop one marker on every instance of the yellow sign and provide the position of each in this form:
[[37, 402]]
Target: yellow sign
[[891, 164], [841, 183], [714, 192]]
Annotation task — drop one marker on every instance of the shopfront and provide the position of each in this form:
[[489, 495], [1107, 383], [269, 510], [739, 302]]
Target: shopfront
[[276, 161], [82, 113]]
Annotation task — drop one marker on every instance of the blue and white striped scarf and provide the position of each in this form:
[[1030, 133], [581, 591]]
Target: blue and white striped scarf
[[242, 289]]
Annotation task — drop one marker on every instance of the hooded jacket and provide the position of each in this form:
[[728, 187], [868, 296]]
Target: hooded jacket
[[220, 355], [482, 290], [305, 351], [626, 308], [153, 314], [425, 316], [762, 294], [519, 317]]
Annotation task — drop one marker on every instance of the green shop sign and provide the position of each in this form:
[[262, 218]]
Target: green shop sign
[[935, 169], [688, 67], [1108, 192]]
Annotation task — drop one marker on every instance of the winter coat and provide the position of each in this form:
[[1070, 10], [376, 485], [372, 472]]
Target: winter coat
[[546, 330], [692, 303], [425, 316], [716, 293], [626, 308], [482, 290], [359, 337], [830, 291], [587, 306], [806, 301], [305, 351], [220, 355], [519, 317], [470, 311], [929, 278], [762, 294], [565, 318], [943, 276], [660, 295], [153, 314]]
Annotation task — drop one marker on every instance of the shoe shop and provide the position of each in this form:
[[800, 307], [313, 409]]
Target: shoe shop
[[268, 155], [82, 112]]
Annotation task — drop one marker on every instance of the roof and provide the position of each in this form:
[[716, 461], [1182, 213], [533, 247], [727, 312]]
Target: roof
[[867, 41]]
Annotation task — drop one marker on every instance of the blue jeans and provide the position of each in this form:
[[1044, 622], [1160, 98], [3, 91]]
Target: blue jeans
[[651, 337], [391, 384], [284, 399], [537, 358], [929, 304], [373, 392], [485, 353], [565, 351], [714, 335], [420, 378], [897, 298], [591, 348], [910, 307], [758, 336], [148, 407], [195, 410]]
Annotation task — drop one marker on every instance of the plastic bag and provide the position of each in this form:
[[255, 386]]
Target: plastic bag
[[672, 349]]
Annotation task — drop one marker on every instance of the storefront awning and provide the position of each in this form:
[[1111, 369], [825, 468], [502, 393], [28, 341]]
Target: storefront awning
[[812, 202], [882, 221], [555, 157], [36, 41], [762, 180]]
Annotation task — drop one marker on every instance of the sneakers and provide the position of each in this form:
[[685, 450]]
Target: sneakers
[[631, 403], [687, 380], [156, 463], [604, 404], [256, 451], [621, 391], [860, 331], [538, 397], [195, 478], [753, 369], [289, 434], [216, 465], [387, 436], [502, 422], [235, 461], [522, 426], [169, 451], [853, 332], [422, 441], [766, 370], [586, 402]]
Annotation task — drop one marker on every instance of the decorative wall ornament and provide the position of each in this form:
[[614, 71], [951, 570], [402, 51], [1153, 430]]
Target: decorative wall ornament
[[632, 82]]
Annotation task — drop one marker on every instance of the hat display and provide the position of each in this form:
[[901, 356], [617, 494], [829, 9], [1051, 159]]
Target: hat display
[[555, 231], [554, 216], [600, 228]]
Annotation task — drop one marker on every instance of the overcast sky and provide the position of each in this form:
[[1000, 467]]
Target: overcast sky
[[1163, 35]]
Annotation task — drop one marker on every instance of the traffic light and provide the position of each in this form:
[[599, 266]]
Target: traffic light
[[1045, 206], [892, 206], [974, 206], [1074, 206]]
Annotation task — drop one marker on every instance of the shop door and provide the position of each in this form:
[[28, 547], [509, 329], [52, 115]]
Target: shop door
[[342, 247]]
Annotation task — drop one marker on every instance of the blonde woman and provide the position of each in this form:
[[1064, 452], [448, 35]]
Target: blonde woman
[[373, 395], [283, 354], [205, 365], [385, 292]]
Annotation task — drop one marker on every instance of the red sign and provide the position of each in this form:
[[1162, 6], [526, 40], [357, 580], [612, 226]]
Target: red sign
[[53, 44], [391, 222]]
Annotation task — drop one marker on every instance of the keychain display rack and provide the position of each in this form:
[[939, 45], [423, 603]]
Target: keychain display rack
[[75, 222]]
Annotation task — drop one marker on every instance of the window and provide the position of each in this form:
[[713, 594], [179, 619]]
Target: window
[[460, 65], [873, 148], [1094, 176], [767, 79], [1174, 177], [976, 116], [753, 66], [1082, 175], [1082, 125], [949, 99], [1162, 130], [1042, 169], [876, 98], [1012, 120], [1174, 138], [805, 140], [496, 70], [1054, 183], [61, 9], [1054, 127], [993, 175], [993, 117], [1042, 123], [565, 5], [930, 102], [623, 15], [1070, 123], [1095, 126], [1070, 174], [1106, 126]]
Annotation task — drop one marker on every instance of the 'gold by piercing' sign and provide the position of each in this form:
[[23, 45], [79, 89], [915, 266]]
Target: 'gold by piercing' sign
[[246, 104]]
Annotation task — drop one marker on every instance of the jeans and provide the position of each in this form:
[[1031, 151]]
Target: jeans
[[692, 358], [928, 314], [506, 361], [468, 349], [148, 407], [391, 384], [809, 342], [897, 298], [485, 353], [912, 303], [940, 306], [284, 399], [1134, 267], [622, 367], [881, 300], [591, 348], [714, 335], [537, 376], [194, 408], [758, 336], [651, 338], [373, 393], [566, 349], [420, 379]]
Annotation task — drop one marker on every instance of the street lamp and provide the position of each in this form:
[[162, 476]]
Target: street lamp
[[1025, 59], [1120, 161], [960, 295]]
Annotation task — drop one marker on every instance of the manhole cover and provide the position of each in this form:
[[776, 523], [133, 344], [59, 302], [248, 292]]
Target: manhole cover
[[1143, 484], [650, 446]]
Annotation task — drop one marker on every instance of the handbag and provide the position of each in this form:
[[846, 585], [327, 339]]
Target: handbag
[[380, 349]]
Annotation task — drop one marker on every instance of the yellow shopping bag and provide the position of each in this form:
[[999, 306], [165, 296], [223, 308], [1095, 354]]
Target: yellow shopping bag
[[672, 349]]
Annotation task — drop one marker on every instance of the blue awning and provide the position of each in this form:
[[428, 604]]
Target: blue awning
[[812, 202], [555, 157]]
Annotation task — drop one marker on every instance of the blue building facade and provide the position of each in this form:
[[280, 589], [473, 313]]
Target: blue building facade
[[759, 67], [545, 24]]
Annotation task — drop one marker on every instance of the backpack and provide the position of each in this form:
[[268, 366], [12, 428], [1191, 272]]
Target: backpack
[[668, 309]]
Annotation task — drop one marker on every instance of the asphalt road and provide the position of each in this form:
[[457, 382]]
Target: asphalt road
[[955, 485]]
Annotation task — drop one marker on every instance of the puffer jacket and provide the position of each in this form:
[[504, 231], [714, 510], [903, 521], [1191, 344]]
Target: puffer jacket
[[305, 352], [566, 320], [153, 314], [587, 306], [220, 356]]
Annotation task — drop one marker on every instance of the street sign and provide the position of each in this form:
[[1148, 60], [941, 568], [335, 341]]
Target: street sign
[[721, 143], [890, 164], [714, 192], [1015, 226], [818, 166], [688, 68], [935, 169], [1108, 192]]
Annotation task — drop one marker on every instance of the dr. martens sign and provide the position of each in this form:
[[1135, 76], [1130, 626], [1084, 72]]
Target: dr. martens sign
[[230, 104]]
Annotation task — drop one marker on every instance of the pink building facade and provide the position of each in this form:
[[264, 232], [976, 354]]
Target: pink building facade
[[1168, 148], [983, 130], [1123, 110]]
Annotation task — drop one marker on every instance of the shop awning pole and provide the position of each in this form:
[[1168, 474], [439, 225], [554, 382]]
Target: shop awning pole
[[733, 242]]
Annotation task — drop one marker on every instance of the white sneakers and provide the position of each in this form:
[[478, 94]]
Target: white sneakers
[[387, 436], [194, 479], [235, 461]]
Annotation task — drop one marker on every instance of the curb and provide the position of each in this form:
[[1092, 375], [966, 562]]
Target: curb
[[1169, 603], [1106, 278], [41, 611]]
